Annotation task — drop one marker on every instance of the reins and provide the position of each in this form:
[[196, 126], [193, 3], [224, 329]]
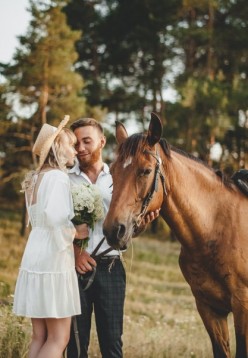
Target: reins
[[96, 256], [154, 187]]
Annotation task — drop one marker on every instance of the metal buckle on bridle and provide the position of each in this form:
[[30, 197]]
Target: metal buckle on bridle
[[154, 188]]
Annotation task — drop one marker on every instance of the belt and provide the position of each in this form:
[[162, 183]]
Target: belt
[[107, 258]]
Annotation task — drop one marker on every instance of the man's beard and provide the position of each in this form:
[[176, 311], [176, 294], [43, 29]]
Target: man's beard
[[94, 157]]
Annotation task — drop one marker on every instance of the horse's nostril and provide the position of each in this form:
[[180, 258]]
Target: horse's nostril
[[121, 231]]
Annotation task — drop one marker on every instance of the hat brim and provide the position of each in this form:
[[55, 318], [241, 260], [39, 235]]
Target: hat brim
[[49, 142]]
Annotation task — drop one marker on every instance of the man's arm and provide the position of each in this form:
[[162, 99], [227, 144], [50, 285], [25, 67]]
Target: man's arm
[[83, 260]]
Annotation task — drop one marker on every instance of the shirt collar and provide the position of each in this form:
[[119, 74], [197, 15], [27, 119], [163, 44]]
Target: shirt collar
[[76, 170], [105, 168]]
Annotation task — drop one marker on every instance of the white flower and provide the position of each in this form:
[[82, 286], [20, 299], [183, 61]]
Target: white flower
[[87, 200]]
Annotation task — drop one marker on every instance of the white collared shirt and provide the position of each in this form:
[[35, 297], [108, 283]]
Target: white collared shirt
[[104, 184]]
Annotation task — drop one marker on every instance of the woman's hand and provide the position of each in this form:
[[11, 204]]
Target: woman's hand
[[82, 231]]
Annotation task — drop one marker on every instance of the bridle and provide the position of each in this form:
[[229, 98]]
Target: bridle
[[154, 187]]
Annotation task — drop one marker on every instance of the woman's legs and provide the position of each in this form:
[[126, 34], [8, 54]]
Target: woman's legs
[[39, 336], [58, 333]]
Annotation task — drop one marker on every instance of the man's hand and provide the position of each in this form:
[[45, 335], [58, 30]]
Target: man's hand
[[149, 217], [83, 261]]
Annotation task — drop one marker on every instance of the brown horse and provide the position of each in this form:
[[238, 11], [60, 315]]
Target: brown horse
[[208, 215]]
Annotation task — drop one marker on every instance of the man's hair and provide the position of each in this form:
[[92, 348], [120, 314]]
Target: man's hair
[[84, 122]]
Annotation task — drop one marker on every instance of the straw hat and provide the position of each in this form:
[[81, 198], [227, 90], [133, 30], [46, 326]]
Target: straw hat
[[45, 140]]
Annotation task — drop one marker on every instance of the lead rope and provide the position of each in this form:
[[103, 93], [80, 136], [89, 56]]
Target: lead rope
[[74, 319], [76, 336], [76, 333]]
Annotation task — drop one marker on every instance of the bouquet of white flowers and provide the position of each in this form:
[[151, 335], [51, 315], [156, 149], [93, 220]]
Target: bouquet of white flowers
[[88, 207]]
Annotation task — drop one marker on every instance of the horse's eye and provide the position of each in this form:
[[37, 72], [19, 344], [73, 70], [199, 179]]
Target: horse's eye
[[143, 172]]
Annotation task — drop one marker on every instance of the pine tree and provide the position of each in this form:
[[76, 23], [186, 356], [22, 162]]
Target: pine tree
[[125, 44], [43, 79], [43, 74]]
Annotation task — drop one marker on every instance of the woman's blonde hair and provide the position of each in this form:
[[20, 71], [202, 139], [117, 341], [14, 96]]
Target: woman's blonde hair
[[56, 157]]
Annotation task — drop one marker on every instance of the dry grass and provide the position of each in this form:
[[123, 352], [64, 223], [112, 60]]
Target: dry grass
[[160, 306], [160, 318]]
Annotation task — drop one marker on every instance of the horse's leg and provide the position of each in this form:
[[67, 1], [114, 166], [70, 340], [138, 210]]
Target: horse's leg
[[217, 328], [240, 316]]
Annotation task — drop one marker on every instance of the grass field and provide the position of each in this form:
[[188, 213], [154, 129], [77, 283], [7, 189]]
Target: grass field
[[160, 318]]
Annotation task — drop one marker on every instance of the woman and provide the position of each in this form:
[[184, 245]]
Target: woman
[[47, 287]]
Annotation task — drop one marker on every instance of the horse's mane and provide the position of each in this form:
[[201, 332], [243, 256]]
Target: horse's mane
[[224, 178], [133, 145], [137, 142]]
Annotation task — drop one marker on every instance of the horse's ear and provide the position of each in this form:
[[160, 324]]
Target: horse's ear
[[154, 130], [120, 132]]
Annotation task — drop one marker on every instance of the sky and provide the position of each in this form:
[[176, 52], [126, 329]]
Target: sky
[[14, 20]]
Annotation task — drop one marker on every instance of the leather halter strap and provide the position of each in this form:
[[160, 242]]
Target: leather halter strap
[[96, 256], [154, 188]]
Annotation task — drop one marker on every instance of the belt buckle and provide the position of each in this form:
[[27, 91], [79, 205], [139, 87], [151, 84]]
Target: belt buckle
[[109, 258]]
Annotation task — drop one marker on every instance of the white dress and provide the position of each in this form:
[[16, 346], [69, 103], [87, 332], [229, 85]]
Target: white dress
[[47, 284]]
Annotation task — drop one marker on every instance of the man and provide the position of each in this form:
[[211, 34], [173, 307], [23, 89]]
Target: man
[[107, 293]]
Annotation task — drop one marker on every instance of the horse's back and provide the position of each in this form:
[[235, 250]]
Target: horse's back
[[240, 178]]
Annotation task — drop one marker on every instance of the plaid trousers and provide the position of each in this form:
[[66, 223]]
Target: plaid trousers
[[106, 297]]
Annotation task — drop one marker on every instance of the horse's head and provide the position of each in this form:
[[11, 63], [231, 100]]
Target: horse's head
[[137, 182]]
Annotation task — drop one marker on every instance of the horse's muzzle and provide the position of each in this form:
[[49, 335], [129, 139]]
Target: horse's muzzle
[[116, 235]]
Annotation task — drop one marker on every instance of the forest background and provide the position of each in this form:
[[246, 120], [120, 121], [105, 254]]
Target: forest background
[[119, 60], [112, 60]]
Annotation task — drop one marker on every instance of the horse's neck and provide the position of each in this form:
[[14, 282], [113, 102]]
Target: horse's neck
[[192, 203]]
